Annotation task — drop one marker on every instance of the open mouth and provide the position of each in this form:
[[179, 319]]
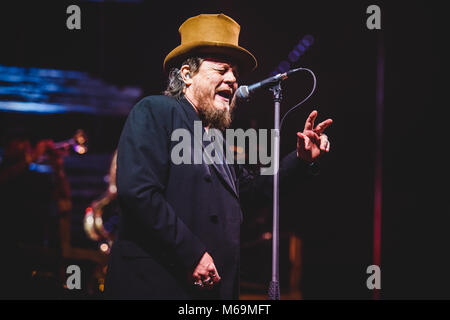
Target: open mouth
[[225, 95]]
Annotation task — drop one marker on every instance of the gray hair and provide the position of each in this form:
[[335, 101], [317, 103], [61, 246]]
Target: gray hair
[[175, 83]]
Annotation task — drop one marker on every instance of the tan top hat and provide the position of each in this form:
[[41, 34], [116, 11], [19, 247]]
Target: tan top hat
[[210, 34]]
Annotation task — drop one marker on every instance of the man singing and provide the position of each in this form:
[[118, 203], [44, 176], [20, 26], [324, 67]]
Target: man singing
[[180, 229]]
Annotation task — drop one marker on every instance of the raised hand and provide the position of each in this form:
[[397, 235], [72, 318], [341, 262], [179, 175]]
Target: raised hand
[[312, 142]]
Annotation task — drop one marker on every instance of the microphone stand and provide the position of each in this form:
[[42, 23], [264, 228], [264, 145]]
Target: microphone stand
[[274, 286], [275, 86]]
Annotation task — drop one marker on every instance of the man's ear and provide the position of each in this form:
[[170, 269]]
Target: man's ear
[[185, 75]]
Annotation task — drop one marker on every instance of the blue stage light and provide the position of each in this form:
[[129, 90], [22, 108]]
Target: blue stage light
[[294, 55], [301, 48], [35, 90], [309, 39], [284, 66]]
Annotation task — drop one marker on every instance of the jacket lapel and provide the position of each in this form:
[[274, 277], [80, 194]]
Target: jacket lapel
[[227, 180], [223, 169]]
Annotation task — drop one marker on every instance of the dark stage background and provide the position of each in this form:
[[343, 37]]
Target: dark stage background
[[123, 44]]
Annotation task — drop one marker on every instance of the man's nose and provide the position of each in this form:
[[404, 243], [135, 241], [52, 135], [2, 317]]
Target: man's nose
[[229, 78]]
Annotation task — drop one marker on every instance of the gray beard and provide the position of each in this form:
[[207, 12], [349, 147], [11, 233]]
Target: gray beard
[[215, 118], [218, 119]]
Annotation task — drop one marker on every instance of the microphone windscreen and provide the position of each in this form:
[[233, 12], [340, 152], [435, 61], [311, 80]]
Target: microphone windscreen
[[242, 92]]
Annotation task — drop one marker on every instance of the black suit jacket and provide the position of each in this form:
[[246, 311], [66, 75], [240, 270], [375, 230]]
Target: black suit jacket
[[173, 214]]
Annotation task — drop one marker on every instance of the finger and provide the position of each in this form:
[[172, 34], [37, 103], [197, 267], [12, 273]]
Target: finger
[[314, 137], [309, 124], [215, 278], [323, 125], [198, 284], [300, 140], [199, 280], [323, 142], [214, 274], [303, 142], [195, 276], [328, 147], [209, 282], [211, 268], [207, 279]]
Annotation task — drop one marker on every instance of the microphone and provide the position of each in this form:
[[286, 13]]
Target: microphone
[[244, 92]]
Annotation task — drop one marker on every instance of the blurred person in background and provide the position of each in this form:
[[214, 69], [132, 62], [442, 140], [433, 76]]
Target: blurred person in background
[[34, 194]]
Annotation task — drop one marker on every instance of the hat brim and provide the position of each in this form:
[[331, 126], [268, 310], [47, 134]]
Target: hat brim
[[245, 61]]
